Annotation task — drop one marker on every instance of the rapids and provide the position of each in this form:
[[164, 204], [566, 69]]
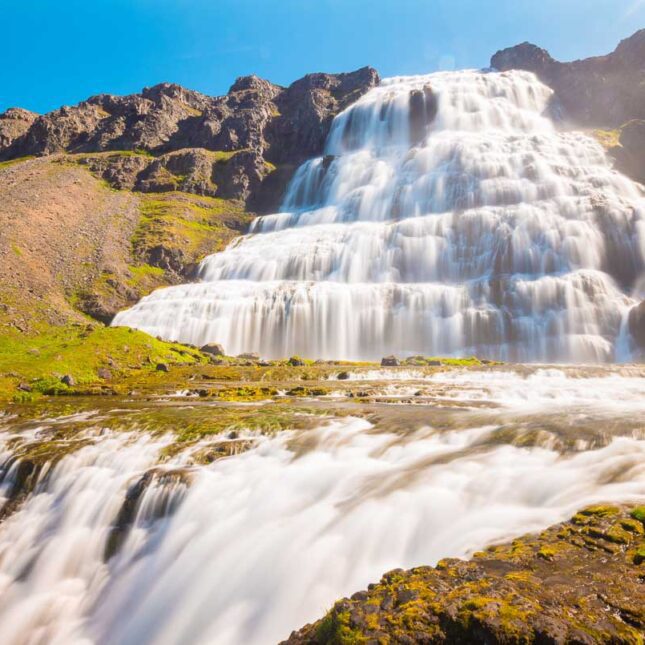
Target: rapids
[[250, 547], [449, 216]]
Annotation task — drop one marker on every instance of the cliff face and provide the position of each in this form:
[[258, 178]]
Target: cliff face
[[604, 91], [223, 146]]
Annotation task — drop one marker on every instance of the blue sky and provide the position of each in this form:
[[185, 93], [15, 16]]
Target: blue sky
[[58, 52]]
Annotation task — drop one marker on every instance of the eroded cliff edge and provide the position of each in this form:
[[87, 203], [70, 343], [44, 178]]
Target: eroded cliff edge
[[576, 582]]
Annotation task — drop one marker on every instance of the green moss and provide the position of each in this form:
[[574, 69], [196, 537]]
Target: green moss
[[639, 514], [143, 275], [607, 138], [13, 162], [79, 351], [195, 224]]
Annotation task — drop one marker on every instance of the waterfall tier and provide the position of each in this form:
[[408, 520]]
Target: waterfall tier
[[448, 216]]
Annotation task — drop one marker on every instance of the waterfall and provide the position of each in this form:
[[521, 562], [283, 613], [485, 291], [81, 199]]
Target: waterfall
[[111, 547], [448, 216]]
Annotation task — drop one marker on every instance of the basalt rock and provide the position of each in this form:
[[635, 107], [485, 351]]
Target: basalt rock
[[636, 322], [178, 139], [603, 91]]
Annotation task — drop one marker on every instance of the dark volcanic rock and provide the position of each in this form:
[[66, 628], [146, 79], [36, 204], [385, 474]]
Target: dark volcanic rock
[[179, 139], [306, 109], [577, 582], [604, 91], [636, 322]]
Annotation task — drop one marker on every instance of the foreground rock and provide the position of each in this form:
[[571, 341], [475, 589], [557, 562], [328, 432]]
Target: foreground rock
[[577, 582]]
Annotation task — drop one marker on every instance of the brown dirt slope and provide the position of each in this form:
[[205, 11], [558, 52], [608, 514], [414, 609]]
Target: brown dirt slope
[[70, 243]]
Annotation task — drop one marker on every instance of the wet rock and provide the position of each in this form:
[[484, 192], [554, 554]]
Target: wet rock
[[636, 323], [423, 110], [561, 586], [162, 367], [214, 349], [343, 376], [68, 380], [390, 361]]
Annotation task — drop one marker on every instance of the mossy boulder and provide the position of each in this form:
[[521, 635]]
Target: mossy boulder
[[576, 582]]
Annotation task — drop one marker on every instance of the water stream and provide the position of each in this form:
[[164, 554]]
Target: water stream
[[252, 546]]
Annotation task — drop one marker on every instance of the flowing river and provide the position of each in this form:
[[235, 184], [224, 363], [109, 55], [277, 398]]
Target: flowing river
[[121, 542]]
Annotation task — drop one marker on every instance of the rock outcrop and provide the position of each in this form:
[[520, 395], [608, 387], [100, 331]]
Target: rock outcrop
[[577, 582], [14, 123], [178, 139], [603, 91]]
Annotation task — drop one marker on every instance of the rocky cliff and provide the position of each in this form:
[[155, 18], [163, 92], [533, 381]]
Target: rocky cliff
[[242, 146], [603, 92], [188, 169]]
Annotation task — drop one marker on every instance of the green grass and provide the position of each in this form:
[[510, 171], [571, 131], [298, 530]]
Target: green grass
[[13, 162], [79, 351]]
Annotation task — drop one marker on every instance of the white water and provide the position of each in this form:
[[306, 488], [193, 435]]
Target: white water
[[263, 542], [483, 230]]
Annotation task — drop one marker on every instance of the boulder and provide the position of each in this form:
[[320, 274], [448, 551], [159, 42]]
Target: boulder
[[343, 376], [296, 361], [390, 361], [162, 367], [68, 380], [214, 349]]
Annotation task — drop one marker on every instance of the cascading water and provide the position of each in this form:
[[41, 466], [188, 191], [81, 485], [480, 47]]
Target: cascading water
[[112, 548], [448, 216]]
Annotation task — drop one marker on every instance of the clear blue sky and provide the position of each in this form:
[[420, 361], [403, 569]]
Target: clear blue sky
[[58, 52]]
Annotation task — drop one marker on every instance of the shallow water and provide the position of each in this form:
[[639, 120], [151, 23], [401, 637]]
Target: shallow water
[[249, 547]]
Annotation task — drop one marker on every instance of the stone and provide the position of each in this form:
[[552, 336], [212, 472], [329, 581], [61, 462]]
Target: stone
[[249, 356], [179, 139], [24, 387], [68, 380], [390, 361], [343, 376], [104, 373], [636, 322], [162, 367], [214, 349], [296, 361], [524, 591]]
